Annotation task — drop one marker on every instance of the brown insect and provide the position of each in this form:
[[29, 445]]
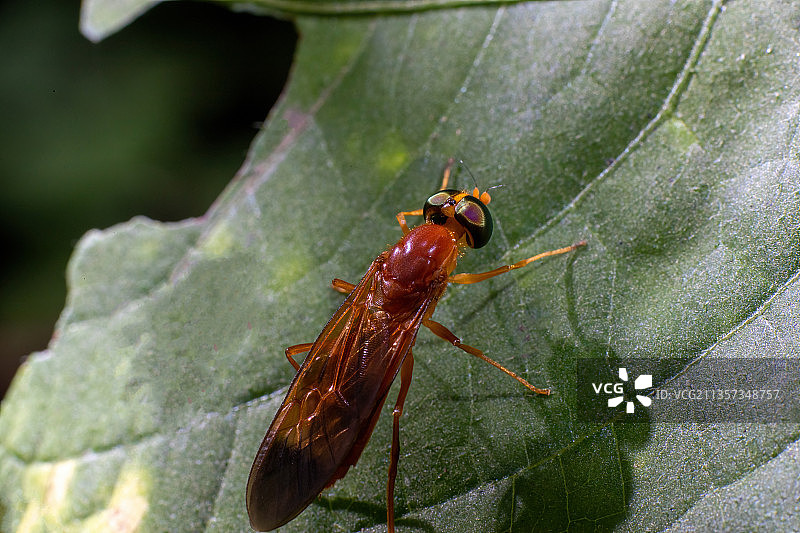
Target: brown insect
[[335, 399]]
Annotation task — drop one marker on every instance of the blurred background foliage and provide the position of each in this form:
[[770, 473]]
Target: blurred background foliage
[[152, 121]]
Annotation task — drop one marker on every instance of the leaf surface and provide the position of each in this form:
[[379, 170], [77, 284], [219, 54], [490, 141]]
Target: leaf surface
[[664, 133]]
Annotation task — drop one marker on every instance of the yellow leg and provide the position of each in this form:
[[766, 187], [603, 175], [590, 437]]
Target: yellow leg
[[475, 278], [291, 351], [401, 219], [441, 331], [446, 173], [401, 216], [340, 285]]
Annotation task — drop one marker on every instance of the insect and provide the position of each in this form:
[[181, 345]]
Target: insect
[[336, 396]]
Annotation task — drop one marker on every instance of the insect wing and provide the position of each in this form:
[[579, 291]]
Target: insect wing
[[332, 405]]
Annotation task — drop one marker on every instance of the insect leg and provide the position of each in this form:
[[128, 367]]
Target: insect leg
[[401, 216], [340, 285], [475, 278], [401, 219], [291, 351], [446, 173], [405, 382], [441, 331]]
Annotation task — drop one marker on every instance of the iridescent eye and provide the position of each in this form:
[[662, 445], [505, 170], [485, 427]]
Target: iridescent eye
[[476, 219], [434, 205]]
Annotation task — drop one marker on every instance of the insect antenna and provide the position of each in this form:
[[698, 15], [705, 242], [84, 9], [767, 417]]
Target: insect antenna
[[484, 197], [471, 175]]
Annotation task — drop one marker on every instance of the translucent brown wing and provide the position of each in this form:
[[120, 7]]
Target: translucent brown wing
[[333, 403]]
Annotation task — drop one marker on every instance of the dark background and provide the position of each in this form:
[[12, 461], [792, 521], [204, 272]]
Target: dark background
[[154, 120]]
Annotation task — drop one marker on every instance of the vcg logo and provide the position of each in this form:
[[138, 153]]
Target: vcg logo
[[643, 381]]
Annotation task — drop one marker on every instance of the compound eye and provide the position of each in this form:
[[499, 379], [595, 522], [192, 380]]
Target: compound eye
[[432, 211], [476, 219]]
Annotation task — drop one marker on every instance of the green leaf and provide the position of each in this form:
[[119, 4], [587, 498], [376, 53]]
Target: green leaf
[[101, 18], [664, 133]]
